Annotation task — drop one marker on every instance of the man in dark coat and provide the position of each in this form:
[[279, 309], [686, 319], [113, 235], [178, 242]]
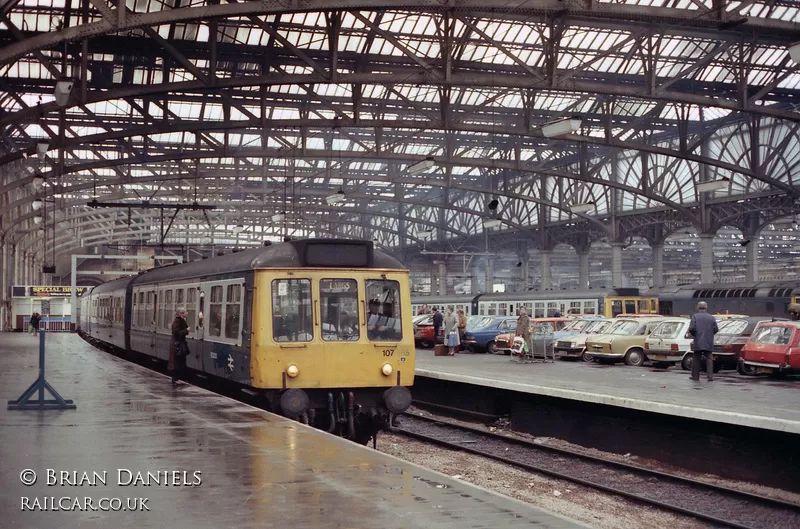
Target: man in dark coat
[[703, 327], [34, 322], [438, 320], [178, 348]]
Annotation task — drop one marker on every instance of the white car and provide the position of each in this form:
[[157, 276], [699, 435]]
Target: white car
[[669, 342], [575, 346]]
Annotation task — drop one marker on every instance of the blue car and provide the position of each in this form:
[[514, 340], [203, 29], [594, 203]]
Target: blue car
[[482, 330]]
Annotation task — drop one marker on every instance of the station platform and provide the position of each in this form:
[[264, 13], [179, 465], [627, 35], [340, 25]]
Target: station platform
[[229, 464], [731, 398]]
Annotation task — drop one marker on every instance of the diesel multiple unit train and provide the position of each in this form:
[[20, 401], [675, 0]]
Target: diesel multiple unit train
[[320, 327], [752, 299]]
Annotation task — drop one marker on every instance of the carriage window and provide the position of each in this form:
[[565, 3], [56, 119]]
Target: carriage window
[[168, 309], [215, 312], [233, 303], [588, 307], [383, 316], [191, 307], [339, 309], [291, 310]]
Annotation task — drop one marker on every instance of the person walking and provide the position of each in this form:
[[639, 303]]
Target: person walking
[[34, 323], [451, 331], [462, 329], [178, 348], [438, 319], [524, 330], [703, 327]]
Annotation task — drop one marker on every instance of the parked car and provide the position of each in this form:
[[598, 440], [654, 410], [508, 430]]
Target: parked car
[[481, 332], [729, 341], [423, 331], [576, 326], [774, 348], [542, 331], [669, 342], [624, 341], [574, 346]]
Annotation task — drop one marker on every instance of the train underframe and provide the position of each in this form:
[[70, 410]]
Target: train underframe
[[358, 414]]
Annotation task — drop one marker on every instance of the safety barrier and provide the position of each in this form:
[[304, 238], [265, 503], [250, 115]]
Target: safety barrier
[[50, 323]]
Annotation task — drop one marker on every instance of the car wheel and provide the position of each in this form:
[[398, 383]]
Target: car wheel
[[686, 363], [661, 365], [586, 357], [635, 357], [491, 348], [717, 367], [745, 370]]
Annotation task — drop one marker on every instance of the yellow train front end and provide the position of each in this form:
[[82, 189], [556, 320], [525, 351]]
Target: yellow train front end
[[334, 347]]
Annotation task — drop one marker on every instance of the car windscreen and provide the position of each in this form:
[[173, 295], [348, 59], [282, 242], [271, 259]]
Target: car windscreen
[[667, 329], [733, 327], [598, 326], [772, 335], [479, 323], [578, 325], [624, 327]]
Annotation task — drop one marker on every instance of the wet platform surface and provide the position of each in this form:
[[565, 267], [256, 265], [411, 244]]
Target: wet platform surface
[[244, 468], [731, 398]]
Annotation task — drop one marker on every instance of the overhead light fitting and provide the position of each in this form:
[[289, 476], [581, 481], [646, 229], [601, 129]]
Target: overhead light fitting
[[424, 234], [582, 208], [37, 219], [492, 223], [744, 242], [38, 181], [62, 92], [278, 217], [421, 166], [41, 149], [238, 229], [493, 204], [712, 185], [561, 127], [794, 52], [335, 198], [37, 204]]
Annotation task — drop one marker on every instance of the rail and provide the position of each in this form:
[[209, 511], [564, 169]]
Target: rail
[[49, 323]]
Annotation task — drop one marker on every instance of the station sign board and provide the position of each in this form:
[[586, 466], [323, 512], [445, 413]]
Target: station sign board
[[49, 291]]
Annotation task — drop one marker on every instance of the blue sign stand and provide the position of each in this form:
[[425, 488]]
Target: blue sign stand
[[25, 402]]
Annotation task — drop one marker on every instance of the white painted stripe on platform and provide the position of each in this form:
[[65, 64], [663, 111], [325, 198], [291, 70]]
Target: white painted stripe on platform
[[725, 417]]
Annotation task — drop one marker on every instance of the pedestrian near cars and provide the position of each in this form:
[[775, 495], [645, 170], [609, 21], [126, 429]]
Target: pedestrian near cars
[[524, 329], [703, 327], [178, 348], [34, 323], [462, 328], [438, 320], [451, 331]]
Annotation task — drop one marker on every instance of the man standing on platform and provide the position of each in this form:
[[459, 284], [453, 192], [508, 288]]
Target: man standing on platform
[[179, 349], [524, 330], [438, 319], [703, 327]]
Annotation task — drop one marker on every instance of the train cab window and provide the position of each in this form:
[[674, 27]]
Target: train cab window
[[215, 312], [339, 309], [233, 304], [384, 322], [644, 306], [630, 306], [291, 310], [616, 308]]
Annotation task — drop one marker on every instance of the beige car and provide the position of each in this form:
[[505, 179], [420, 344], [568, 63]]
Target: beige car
[[624, 341]]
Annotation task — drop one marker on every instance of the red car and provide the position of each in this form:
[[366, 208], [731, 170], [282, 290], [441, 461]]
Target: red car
[[423, 331], [774, 348]]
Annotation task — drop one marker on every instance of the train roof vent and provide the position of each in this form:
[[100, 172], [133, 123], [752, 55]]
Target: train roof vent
[[772, 292], [730, 293], [696, 294], [752, 292]]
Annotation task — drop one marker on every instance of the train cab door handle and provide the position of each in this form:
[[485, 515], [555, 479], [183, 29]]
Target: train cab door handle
[[316, 312], [364, 315]]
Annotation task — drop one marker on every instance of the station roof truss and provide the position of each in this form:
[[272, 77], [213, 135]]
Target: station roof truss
[[265, 109]]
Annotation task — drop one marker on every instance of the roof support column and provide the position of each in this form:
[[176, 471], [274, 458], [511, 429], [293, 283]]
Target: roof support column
[[442, 277], [752, 259], [658, 264], [583, 268], [524, 273], [616, 264], [489, 274], [706, 258], [474, 281], [547, 279]]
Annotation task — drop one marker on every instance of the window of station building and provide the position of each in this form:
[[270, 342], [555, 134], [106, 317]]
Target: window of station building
[[233, 303], [384, 320], [338, 300], [291, 310], [215, 311]]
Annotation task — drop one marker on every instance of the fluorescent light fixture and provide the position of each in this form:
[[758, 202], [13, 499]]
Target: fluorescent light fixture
[[421, 166], [278, 217], [424, 234], [41, 149], [582, 208], [335, 198], [794, 52], [238, 229], [38, 181], [37, 219], [560, 127], [36, 204], [712, 185], [492, 223]]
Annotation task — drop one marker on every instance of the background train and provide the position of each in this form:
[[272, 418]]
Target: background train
[[752, 299], [321, 328]]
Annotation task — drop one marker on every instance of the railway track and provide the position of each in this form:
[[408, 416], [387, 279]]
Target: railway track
[[715, 504]]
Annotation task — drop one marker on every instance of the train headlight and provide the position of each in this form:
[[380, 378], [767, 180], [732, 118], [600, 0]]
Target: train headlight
[[387, 369], [292, 371]]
